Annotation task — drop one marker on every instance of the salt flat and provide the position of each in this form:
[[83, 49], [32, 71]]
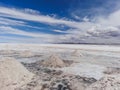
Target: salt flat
[[102, 55], [70, 46], [91, 61]]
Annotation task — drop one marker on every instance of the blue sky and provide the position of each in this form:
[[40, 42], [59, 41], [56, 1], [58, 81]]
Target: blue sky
[[60, 21]]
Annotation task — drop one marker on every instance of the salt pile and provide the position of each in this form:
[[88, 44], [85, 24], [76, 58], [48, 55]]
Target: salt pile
[[6, 52], [54, 61], [109, 82], [76, 53], [26, 54], [13, 74]]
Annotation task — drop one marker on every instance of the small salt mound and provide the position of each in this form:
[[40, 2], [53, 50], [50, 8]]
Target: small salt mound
[[6, 52], [13, 74], [76, 53], [26, 54], [54, 61], [109, 82]]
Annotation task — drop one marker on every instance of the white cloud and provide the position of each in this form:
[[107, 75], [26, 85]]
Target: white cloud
[[10, 30], [11, 22], [86, 19], [31, 11], [8, 39], [59, 31], [22, 14], [104, 32], [30, 37], [7, 21], [112, 20], [88, 30]]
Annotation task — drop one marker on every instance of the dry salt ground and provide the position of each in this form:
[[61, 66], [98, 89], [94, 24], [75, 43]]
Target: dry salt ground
[[92, 60], [109, 82], [85, 70]]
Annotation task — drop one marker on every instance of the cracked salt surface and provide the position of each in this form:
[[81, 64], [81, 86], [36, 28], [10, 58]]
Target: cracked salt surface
[[93, 62], [85, 70]]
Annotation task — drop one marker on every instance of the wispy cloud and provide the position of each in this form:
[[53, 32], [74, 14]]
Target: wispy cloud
[[6, 21], [25, 15], [98, 29]]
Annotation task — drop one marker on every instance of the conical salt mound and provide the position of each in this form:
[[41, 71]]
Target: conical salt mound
[[76, 53], [6, 52], [26, 54], [110, 82], [13, 74], [54, 61]]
